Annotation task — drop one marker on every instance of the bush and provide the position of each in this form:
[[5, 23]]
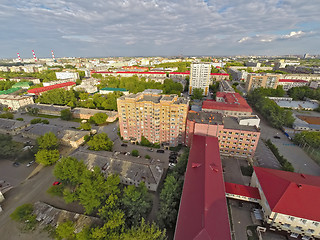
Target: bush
[[45, 121], [8, 115], [85, 126], [147, 156], [36, 120], [66, 114], [24, 214], [19, 119], [56, 190], [135, 153]]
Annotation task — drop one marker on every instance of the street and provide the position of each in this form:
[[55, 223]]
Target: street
[[301, 162]]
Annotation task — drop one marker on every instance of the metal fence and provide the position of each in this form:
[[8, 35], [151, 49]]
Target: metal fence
[[314, 153]]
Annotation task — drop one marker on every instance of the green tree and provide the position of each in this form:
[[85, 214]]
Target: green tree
[[66, 230], [8, 147], [85, 126], [24, 214], [48, 141], [70, 170], [135, 153], [136, 203], [36, 120], [100, 142], [66, 114], [144, 231], [47, 157], [99, 118], [147, 156], [197, 93]]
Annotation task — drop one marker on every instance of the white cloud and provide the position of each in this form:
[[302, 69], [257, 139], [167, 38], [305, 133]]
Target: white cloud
[[157, 26]]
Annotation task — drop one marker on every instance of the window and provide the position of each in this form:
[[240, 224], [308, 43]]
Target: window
[[298, 228], [286, 225], [310, 230], [303, 221], [315, 223]]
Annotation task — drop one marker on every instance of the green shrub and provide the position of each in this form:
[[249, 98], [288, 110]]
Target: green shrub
[[56, 190], [135, 153], [24, 214], [36, 120], [147, 156], [19, 119]]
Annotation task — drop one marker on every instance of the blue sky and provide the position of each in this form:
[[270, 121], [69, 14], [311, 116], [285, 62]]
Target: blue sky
[[158, 27]]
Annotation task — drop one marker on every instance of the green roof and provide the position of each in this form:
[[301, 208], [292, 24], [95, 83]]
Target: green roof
[[22, 84], [11, 90], [114, 89]]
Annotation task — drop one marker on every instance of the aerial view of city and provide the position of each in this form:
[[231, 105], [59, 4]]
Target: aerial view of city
[[160, 120]]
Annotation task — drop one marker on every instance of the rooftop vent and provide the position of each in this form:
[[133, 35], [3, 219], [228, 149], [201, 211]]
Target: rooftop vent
[[299, 185], [196, 165]]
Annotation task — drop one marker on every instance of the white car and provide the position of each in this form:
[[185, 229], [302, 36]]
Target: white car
[[30, 163]]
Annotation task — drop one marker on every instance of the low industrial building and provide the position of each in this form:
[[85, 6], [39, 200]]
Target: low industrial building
[[67, 137], [41, 90], [12, 127], [86, 113], [131, 170], [290, 103], [290, 201], [28, 79], [15, 102], [47, 109]]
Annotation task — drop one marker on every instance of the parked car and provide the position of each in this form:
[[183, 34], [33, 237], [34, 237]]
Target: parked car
[[160, 151], [173, 154], [171, 164], [277, 137], [56, 183], [30, 163], [124, 145], [172, 161], [16, 164]]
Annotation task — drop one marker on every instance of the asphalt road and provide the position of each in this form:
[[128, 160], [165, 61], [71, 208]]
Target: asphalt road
[[301, 162]]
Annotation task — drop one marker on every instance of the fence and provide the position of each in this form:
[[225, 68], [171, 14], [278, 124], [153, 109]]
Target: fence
[[314, 153]]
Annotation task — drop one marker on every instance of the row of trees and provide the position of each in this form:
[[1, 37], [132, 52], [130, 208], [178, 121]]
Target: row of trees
[[311, 138], [5, 85], [171, 193], [80, 99], [182, 66], [300, 93], [276, 115], [135, 84]]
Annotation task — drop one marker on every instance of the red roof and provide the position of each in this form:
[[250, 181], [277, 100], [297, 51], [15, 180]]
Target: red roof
[[203, 212], [242, 190], [232, 102], [185, 73], [224, 74], [36, 91], [291, 193], [134, 72], [292, 80]]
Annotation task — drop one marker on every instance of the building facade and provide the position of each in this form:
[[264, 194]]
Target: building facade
[[261, 80], [235, 139], [289, 201], [159, 118], [290, 83], [200, 77], [14, 102]]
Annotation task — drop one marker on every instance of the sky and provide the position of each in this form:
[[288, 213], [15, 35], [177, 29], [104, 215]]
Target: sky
[[102, 28]]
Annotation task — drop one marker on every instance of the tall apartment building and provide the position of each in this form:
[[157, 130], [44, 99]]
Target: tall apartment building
[[200, 77], [159, 118], [258, 80], [237, 136]]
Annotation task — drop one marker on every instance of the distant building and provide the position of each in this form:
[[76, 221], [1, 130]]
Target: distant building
[[47, 109], [50, 83], [159, 118], [237, 136], [131, 170], [107, 90], [23, 85], [225, 86], [28, 79], [200, 77], [40, 90], [15, 102], [218, 77], [203, 212], [67, 75], [12, 127], [290, 83], [229, 104], [261, 80], [86, 113], [290, 201]]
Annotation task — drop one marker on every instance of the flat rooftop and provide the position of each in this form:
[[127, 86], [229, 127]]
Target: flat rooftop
[[205, 117], [232, 123], [297, 104]]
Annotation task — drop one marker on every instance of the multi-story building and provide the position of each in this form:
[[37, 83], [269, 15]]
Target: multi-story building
[[229, 104], [14, 102], [200, 77], [261, 80], [67, 75], [290, 83], [290, 201], [159, 118], [237, 136]]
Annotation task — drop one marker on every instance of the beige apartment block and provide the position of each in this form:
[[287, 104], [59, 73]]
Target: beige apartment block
[[159, 118], [14, 102], [261, 80], [200, 77]]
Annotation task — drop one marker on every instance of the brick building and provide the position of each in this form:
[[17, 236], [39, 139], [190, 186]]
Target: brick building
[[159, 118], [235, 139]]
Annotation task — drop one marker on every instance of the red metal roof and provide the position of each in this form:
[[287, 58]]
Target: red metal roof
[[291, 193], [48, 88], [224, 74], [232, 102], [292, 80], [203, 212], [242, 190], [133, 72], [185, 73]]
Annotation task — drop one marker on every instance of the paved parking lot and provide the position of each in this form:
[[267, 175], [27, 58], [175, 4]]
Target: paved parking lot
[[265, 157], [232, 172]]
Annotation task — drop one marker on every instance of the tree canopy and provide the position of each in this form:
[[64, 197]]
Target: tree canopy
[[99, 118], [100, 142], [48, 141], [47, 157], [197, 93], [66, 114]]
